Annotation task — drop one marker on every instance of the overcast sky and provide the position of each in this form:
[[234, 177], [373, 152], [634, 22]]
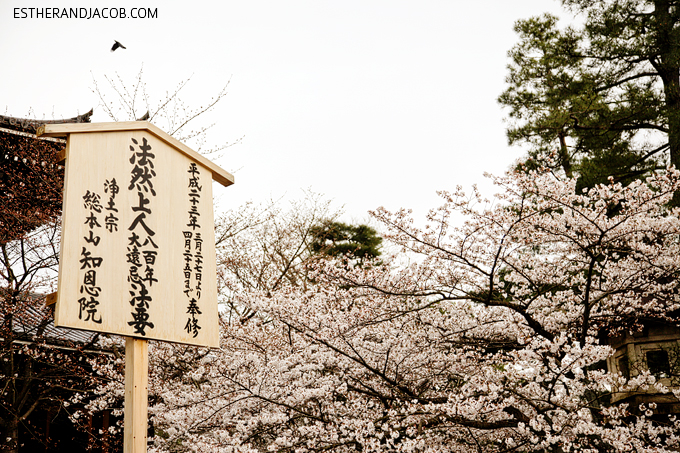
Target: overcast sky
[[371, 103]]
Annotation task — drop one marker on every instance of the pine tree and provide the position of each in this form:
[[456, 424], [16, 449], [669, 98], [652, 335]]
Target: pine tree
[[340, 239], [602, 98]]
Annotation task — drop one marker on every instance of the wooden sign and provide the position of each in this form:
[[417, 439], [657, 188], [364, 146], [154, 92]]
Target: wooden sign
[[138, 246]]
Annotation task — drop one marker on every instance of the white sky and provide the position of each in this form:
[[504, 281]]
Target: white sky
[[368, 102]]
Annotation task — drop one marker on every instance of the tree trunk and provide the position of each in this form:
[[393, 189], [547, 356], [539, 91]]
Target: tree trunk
[[10, 435], [565, 160], [668, 66], [9, 423]]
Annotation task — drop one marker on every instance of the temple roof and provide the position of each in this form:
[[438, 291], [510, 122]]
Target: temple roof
[[33, 321], [30, 126]]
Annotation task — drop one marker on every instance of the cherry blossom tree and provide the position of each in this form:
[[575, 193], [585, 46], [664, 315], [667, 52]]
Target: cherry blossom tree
[[30, 184], [263, 246], [491, 339], [130, 99], [260, 248]]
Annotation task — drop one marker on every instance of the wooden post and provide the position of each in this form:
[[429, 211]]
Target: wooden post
[[136, 395]]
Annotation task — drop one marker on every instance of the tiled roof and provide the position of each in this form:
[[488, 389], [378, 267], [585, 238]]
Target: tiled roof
[[31, 125], [33, 320]]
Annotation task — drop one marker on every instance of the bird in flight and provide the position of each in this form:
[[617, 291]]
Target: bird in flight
[[116, 45]]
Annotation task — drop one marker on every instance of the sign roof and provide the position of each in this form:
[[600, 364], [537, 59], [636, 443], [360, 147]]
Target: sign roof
[[62, 130]]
